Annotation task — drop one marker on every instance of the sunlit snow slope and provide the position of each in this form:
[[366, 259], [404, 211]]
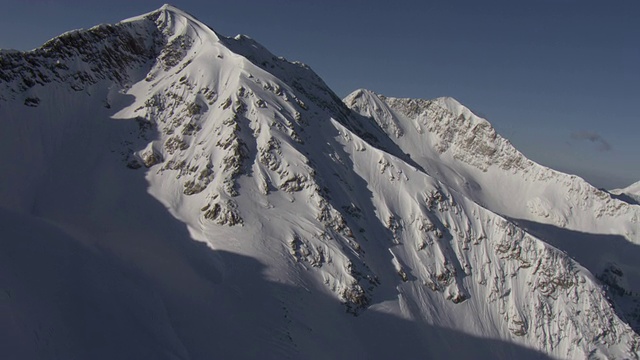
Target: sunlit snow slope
[[464, 151], [168, 192]]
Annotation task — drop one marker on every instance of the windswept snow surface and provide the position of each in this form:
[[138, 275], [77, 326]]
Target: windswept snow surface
[[168, 192]]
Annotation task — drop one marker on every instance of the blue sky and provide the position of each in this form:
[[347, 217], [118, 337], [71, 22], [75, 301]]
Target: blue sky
[[559, 78]]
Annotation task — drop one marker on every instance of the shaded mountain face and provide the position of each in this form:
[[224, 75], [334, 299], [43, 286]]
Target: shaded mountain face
[[189, 195]]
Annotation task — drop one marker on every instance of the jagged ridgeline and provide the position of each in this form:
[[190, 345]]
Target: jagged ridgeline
[[220, 195]]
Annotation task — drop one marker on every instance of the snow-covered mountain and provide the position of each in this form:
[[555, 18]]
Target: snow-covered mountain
[[168, 192], [464, 151], [629, 194]]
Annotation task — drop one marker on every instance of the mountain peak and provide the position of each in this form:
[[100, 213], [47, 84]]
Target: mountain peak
[[170, 9], [456, 107], [630, 194], [166, 8], [464, 150], [176, 22]]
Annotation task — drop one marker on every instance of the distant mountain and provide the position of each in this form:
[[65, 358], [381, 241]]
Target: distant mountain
[[168, 192], [629, 194]]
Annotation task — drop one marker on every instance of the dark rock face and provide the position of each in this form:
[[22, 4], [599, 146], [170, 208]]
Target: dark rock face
[[104, 52]]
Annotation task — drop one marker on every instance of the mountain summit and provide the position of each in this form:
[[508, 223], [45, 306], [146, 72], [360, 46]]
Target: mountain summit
[[168, 192]]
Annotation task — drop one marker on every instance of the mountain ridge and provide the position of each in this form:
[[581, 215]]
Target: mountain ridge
[[631, 193], [491, 148]]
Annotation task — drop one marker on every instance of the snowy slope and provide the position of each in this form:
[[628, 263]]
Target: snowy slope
[[248, 213], [465, 152], [452, 143], [630, 194]]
